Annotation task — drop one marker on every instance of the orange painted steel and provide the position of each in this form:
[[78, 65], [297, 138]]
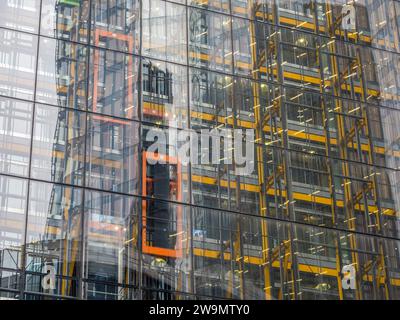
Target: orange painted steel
[[159, 251]]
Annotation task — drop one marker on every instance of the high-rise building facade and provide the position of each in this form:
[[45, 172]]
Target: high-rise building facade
[[88, 210]]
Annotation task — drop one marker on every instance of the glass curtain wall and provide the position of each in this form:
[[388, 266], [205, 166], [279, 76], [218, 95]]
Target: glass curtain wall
[[87, 213]]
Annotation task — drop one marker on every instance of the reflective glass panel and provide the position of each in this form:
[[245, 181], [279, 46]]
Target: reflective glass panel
[[17, 64], [112, 154], [54, 239], [15, 136], [12, 223], [58, 145]]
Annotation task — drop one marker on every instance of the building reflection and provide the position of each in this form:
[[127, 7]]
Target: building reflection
[[106, 223]]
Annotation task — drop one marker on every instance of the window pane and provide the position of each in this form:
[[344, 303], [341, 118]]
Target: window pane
[[53, 238], [163, 30], [166, 247], [112, 154], [17, 64], [12, 220], [210, 42], [15, 136], [111, 228], [66, 20], [62, 82], [164, 93], [116, 24], [164, 166], [58, 145], [20, 15], [113, 83]]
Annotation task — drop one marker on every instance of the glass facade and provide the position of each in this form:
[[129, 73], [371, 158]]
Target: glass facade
[[84, 214]]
